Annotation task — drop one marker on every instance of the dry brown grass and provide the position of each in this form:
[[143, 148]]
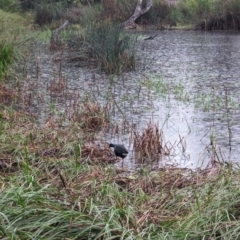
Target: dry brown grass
[[148, 145], [169, 178], [6, 95], [95, 153], [91, 116], [57, 86], [110, 9]]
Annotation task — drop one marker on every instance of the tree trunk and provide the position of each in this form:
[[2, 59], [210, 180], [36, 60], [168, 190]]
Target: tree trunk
[[139, 10]]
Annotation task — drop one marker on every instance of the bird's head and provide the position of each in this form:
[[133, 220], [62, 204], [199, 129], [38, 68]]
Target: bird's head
[[111, 145]]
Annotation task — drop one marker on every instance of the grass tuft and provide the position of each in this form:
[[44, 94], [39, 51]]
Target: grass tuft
[[148, 145], [113, 49]]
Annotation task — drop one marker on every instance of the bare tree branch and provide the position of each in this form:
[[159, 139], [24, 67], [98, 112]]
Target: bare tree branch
[[56, 32], [139, 10]]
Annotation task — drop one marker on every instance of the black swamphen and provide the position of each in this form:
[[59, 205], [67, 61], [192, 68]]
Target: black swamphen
[[119, 150]]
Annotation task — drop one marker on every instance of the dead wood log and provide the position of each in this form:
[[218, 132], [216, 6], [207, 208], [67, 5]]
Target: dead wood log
[[139, 10]]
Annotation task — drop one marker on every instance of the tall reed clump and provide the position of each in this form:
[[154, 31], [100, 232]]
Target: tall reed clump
[[92, 116], [46, 12], [114, 50], [149, 144], [6, 56]]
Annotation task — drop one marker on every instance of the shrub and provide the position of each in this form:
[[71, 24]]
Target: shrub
[[211, 14], [113, 50], [48, 12], [27, 4], [83, 13], [157, 14], [126, 8], [9, 5]]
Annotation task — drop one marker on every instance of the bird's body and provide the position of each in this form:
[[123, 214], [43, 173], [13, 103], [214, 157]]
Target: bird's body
[[151, 37], [119, 150]]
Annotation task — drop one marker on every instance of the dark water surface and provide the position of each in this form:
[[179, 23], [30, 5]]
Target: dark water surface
[[201, 73]]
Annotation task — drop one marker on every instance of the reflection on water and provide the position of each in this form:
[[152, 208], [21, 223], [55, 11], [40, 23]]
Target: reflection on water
[[207, 65]]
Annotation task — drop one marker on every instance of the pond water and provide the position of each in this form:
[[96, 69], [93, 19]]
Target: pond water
[[187, 82]]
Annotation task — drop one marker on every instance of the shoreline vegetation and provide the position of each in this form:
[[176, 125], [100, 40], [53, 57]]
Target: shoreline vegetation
[[59, 181]]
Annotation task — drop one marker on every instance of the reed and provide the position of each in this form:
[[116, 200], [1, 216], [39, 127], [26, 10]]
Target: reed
[[148, 145], [113, 49], [91, 116], [6, 57]]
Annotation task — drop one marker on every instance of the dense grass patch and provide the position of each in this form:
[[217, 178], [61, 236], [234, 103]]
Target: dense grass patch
[[13, 30], [6, 57], [12, 26], [46, 13], [113, 49], [210, 15]]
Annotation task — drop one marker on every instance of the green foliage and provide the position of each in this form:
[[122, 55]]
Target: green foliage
[[113, 49], [126, 8], [9, 5], [46, 12], [6, 57], [193, 10], [12, 27], [89, 15], [210, 14]]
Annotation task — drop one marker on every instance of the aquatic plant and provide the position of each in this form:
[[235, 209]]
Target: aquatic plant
[[210, 15], [113, 49], [6, 57], [148, 145]]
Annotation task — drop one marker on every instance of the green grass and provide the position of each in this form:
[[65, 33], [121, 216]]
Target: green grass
[[6, 57], [113, 49], [13, 26], [14, 31]]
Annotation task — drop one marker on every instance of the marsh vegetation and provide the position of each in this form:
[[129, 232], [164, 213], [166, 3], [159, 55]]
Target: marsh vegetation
[[62, 104]]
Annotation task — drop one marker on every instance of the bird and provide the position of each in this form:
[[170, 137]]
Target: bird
[[119, 150], [151, 37]]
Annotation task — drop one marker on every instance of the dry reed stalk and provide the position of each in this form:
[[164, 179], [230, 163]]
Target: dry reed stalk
[[149, 144], [92, 116], [6, 95], [57, 86]]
